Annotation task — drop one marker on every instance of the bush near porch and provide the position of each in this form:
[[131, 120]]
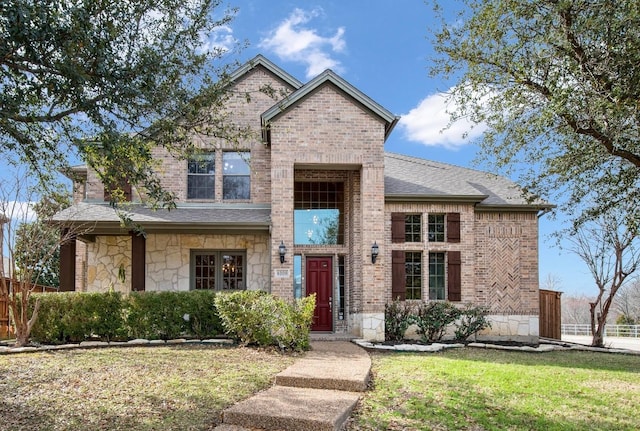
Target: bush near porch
[[432, 320], [73, 317]]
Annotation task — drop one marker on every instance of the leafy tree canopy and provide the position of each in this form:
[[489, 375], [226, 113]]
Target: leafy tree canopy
[[106, 80], [557, 82]]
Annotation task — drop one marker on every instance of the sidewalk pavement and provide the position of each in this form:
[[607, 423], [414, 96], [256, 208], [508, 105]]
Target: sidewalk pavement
[[627, 343]]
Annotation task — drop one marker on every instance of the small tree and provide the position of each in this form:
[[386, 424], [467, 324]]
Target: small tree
[[609, 247], [627, 303], [32, 244], [44, 269], [575, 309]]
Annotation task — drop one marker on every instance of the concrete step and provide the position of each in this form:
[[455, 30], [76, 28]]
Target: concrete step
[[292, 409], [338, 365]]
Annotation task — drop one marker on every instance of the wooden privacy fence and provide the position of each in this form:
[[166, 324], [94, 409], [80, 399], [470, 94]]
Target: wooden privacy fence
[[6, 331], [550, 314]]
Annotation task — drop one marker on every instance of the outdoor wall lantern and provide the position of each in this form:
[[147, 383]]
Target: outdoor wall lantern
[[374, 252], [282, 249]]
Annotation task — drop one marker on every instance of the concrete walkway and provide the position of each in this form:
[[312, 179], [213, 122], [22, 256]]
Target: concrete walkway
[[317, 392]]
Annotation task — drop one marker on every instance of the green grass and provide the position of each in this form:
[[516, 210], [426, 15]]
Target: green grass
[[146, 388], [476, 389]]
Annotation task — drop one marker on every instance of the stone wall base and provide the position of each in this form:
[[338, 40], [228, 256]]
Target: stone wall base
[[367, 326], [521, 328], [517, 328]]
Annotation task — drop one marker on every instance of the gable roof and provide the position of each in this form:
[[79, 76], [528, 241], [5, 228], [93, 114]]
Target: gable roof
[[414, 179], [260, 60], [328, 76]]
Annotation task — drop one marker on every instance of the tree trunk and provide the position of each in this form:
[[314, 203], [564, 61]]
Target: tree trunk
[[598, 335], [21, 321]]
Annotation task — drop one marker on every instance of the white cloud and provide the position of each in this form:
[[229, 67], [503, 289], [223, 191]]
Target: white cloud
[[220, 41], [17, 211], [428, 124], [292, 41]]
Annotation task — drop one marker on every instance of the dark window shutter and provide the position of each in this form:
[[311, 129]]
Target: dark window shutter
[[397, 227], [453, 227], [454, 279], [67, 262], [398, 276], [138, 249]]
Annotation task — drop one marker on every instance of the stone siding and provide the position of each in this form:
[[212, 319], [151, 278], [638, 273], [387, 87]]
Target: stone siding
[[106, 256], [168, 260]]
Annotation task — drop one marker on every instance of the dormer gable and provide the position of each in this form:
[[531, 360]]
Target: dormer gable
[[261, 61], [328, 77]]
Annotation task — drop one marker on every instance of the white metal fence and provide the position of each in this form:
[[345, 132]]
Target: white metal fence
[[609, 330]]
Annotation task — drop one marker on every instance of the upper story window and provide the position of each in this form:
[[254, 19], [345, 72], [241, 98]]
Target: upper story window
[[440, 227], [412, 228], [318, 215], [201, 176], [435, 227], [236, 180]]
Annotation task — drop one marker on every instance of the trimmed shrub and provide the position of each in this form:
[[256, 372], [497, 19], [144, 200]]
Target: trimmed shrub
[[432, 319], [398, 316], [203, 319], [71, 317], [256, 317], [167, 315], [472, 320]]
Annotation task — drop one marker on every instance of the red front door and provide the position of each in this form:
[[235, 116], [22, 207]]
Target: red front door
[[319, 281]]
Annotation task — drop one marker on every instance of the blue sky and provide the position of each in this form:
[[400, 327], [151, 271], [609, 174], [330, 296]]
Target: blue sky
[[383, 48]]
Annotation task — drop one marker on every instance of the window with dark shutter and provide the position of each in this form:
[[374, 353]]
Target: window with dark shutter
[[398, 276], [453, 227], [397, 227], [454, 280]]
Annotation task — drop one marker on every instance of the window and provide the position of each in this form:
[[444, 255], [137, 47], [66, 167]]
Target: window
[[413, 274], [201, 177], [297, 276], [412, 227], [205, 271], [341, 288], [218, 270], [436, 227], [318, 215], [436, 276], [236, 181]]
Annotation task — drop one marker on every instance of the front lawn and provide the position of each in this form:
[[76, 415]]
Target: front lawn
[[477, 389], [134, 388]]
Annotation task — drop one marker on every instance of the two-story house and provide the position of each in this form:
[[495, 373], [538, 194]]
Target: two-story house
[[315, 205]]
